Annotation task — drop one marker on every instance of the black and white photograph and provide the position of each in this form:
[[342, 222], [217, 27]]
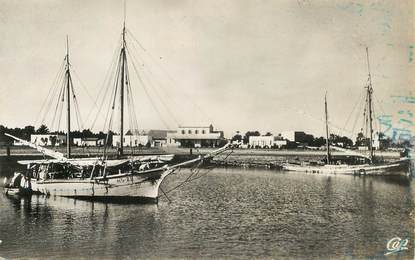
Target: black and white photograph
[[207, 129]]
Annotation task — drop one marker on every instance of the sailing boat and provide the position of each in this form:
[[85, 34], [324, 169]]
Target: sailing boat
[[373, 166], [123, 179]]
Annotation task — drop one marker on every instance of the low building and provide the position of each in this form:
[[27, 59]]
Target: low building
[[195, 136], [130, 139], [48, 139], [150, 138], [17, 143], [159, 137], [261, 141], [375, 144], [268, 141], [101, 142], [296, 136], [288, 135], [90, 141]]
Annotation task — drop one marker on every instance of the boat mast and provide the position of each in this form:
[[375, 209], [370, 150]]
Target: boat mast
[[327, 129], [123, 61], [68, 102], [369, 100]]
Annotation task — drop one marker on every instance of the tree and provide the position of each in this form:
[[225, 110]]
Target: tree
[[101, 135], [86, 133], [384, 141], [318, 142], [361, 140], [341, 139], [237, 137], [27, 132], [43, 129], [268, 134]]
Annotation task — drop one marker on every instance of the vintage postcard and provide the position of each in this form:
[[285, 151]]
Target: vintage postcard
[[207, 129]]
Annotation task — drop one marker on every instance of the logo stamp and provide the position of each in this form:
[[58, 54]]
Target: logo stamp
[[396, 244]]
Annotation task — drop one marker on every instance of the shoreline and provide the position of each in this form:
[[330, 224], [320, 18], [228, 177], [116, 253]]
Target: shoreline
[[96, 151], [240, 158]]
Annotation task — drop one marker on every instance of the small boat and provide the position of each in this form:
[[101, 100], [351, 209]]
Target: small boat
[[17, 185], [371, 165]]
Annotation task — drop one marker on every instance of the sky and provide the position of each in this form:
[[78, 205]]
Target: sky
[[238, 64]]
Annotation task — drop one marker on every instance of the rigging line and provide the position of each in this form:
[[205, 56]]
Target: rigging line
[[57, 105], [60, 116], [201, 175], [361, 104], [78, 116], [85, 88], [105, 84], [131, 106], [145, 90], [148, 73], [379, 104], [148, 95], [131, 96], [103, 101], [173, 82], [130, 125], [155, 89], [365, 116], [114, 96], [108, 132], [50, 98], [53, 86], [182, 183], [107, 136], [109, 84], [377, 124], [76, 106], [61, 104], [110, 112], [157, 82], [134, 115], [351, 113], [52, 89]]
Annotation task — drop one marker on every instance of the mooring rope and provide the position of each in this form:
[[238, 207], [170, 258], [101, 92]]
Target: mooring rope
[[194, 172]]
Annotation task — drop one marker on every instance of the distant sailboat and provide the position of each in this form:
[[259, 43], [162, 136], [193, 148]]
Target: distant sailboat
[[372, 167]]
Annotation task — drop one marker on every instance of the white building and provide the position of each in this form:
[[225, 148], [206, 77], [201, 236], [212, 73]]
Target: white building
[[195, 136], [91, 141], [159, 137], [133, 140], [266, 141], [48, 139], [288, 135], [375, 144]]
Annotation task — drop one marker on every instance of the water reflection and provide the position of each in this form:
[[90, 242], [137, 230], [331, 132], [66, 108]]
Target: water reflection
[[228, 213]]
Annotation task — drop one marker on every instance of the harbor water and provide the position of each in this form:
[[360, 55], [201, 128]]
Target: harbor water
[[227, 213]]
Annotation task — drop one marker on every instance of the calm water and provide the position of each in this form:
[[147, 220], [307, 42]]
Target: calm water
[[228, 213]]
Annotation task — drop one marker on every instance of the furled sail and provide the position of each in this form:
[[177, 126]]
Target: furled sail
[[45, 151], [350, 152]]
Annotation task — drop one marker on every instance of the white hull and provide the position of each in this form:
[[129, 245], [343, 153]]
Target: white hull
[[399, 168], [143, 186]]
